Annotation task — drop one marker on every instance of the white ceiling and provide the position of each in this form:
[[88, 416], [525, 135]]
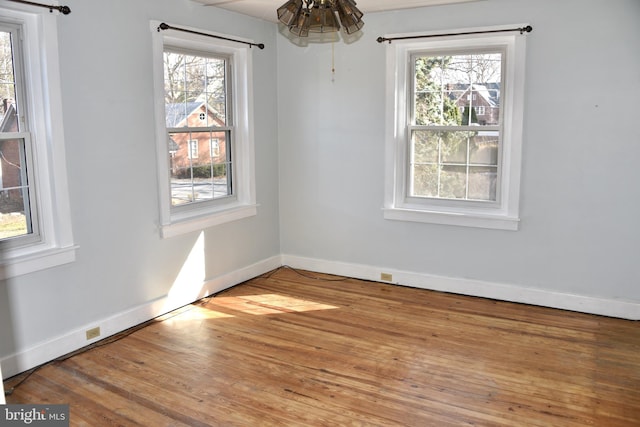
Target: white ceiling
[[266, 9]]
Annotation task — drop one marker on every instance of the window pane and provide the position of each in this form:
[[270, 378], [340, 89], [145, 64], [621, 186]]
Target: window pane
[[216, 93], [454, 146], [482, 183], [425, 147], [425, 181], [454, 165], [194, 83], [457, 90], [8, 114], [15, 216], [453, 182], [196, 174], [195, 75], [484, 149]]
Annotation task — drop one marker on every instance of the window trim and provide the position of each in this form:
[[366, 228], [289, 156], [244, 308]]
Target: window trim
[[175, 222], [502, 215], [54, 245]]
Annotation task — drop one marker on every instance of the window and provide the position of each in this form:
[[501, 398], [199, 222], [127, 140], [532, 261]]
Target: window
[[193, 151], [214, 147], [35, 228], [205, 88], [453, 145]]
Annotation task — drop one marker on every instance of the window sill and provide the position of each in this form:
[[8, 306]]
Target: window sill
[[464, 219], [201, 222], [29, 261]]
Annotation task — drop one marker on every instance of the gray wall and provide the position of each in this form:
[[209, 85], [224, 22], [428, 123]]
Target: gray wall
[[108, 102], [580, 201]]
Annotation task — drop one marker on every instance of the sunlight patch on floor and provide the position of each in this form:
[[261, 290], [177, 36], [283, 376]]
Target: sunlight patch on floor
[[201, 313], [268, 304], [192, 313]]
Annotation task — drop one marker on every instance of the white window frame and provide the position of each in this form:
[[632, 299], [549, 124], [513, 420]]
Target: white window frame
[[504, 214], [53, 244], [243, 203]]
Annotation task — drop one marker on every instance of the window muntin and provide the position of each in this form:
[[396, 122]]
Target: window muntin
[[453, 149], [196, 112]]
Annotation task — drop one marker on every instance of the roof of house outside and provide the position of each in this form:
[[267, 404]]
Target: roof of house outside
[[178, 113], [10, 119], [490, 92]]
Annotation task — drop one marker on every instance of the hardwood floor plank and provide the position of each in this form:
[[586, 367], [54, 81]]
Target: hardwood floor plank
[[305, 349]]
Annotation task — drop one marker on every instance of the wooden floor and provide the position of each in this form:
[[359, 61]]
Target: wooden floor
[[290, 350]]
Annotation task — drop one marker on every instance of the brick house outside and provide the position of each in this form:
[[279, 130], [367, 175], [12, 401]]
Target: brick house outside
[[196, 149]]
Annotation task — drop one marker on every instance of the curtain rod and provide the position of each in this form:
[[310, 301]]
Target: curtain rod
[[164, 26], [522, 30], [65, 10]]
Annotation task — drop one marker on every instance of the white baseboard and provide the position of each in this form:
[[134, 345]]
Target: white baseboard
[[585, 304], [76, 339]]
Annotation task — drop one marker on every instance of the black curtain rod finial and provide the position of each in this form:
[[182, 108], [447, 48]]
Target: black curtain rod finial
[[65, 10]]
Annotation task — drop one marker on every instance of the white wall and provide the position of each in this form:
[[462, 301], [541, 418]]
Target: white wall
[[580, 202], [124, 271]]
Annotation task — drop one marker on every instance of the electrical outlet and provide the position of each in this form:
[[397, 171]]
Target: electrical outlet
[[386, 277], [93, 333]]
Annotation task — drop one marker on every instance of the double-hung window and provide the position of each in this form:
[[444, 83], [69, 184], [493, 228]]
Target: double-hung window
[[204, 131], [454, 110], [35, 225]]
